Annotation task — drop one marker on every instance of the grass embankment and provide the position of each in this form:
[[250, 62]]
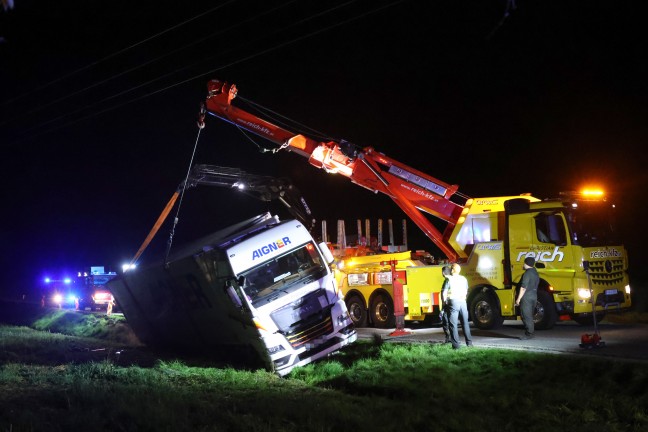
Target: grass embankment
[[370, 385]]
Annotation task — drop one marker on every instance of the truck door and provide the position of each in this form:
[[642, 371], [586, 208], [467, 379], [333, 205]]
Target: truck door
[[543, 236]]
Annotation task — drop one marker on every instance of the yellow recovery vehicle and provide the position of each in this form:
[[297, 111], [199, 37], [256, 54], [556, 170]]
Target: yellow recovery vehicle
[[581, 261], [496, 234]]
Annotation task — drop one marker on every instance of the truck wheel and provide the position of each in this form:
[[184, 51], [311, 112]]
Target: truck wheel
[[586, 319], [357, 311], [382, 312], [485, 312], [545, 315]]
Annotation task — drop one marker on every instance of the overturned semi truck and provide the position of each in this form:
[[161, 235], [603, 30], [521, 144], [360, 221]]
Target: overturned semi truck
[[258, 294]]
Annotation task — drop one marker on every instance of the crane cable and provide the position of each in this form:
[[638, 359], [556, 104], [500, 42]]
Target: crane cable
[[201, 126], [167, 210]]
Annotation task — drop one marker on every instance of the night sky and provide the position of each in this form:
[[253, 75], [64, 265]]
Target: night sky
[[99, 100]]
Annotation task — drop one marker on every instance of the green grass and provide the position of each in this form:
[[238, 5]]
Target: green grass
[[55, 382]]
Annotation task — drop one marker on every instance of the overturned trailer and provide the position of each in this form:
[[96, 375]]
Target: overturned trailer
[[258, 294]]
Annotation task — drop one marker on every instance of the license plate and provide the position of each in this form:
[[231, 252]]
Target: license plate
[[610, 292]]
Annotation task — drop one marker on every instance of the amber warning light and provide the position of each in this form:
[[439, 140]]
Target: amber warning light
[[592, 193]]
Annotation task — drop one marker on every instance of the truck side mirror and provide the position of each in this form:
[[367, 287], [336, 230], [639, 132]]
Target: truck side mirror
[[231, 292], [328, 256]]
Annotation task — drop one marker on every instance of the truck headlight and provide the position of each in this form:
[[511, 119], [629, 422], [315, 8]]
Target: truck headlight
[[275, 349], [342, 319], [584, 293]]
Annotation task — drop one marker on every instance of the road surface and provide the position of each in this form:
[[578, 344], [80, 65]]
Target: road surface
[[627, 341]]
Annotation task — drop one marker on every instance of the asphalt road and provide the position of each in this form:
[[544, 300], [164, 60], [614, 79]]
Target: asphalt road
[[618, 341]]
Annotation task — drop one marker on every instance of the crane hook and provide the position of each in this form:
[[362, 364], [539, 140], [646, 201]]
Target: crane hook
[[201, 117]]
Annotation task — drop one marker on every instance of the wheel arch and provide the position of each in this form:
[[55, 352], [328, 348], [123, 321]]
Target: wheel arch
[[357, 293], [543, 285], [550, 316], [376, 292]]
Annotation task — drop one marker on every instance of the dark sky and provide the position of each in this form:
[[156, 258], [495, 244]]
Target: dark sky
[[98, 102]]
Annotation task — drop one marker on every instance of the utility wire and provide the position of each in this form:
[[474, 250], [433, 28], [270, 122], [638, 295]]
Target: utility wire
[[108, 57], [232, 63], [510, 6], [279, 119], [97, 84]]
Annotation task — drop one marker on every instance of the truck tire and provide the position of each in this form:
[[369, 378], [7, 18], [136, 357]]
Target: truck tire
[[485, 312], [545, 315], [357, 310], [382, 312]]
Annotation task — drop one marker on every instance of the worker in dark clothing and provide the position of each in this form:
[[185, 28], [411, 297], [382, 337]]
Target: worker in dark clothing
[[444, 303], [528, 297]]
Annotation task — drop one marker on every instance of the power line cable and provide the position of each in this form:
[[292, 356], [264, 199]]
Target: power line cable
[[108, 57], [130, 90], [279, 119], [232, 63], [127, 71]]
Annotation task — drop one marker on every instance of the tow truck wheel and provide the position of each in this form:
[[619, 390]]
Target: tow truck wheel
[[382, 312], [357, 311], [485, 312], [545, 315]]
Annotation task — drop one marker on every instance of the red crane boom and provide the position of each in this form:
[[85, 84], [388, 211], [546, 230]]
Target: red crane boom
[[413, 191]]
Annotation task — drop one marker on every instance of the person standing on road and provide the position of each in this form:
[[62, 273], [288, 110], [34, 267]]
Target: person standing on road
[[457, 292], [444, 303], [109, 306], [528, 297]]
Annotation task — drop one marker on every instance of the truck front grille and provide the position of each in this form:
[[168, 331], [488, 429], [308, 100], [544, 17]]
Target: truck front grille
[[310, 332], [606, 273], [305, 320]]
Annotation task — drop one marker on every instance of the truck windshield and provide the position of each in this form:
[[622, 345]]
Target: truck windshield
[[279, 276], [594, 224]]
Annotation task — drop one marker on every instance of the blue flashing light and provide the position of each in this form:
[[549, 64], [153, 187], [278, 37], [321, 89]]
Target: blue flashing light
[[67, 280], [48, 280]]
